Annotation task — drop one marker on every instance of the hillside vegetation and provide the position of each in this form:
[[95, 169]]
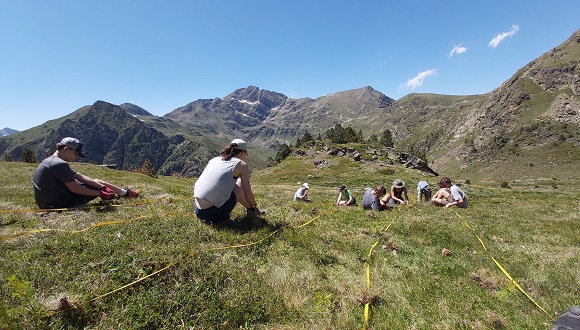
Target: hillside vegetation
[[529, 127], [150, 264]]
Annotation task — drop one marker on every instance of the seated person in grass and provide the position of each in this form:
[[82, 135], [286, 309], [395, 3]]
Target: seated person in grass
[[398, 193], [423, 191], [225, 182], [302, 193], [56, 185], [372, 199], [449, 195], [569, 319], [345, 197]]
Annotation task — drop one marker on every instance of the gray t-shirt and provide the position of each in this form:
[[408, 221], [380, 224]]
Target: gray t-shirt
[[458, 194], [217, 181], [370, 200], [49, 182]]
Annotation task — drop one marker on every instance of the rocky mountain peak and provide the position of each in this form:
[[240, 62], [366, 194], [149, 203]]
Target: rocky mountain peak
[[134, 109]]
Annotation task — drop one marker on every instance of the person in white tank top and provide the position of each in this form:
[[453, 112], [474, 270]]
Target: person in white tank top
[[224, 182]]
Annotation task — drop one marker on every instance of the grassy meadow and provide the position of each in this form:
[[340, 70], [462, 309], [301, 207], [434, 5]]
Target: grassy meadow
[[148, 263]]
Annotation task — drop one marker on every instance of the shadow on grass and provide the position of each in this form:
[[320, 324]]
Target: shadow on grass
[[245, 224]]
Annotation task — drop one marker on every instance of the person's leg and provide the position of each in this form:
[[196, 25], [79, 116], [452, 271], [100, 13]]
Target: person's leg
[[119, 191], [240, 196], [215, 214], [440, 197], [419, 194], [76, 200]]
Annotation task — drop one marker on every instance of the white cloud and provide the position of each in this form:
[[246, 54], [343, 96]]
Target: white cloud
[[457, 49], [500, 37], [418, 80]]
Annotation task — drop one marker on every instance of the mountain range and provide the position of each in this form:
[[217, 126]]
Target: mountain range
[[7, 131], [525, 128]]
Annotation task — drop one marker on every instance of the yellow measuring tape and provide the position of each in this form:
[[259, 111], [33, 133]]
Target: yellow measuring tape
[[100, 224], [175, 262], [86, 206], [512, 280], [367, 305]]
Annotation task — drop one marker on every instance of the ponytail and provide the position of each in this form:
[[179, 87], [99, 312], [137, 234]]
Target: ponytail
[[230, 151]]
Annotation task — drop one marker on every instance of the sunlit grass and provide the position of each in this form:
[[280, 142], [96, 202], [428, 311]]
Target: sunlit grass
[[301, 277]]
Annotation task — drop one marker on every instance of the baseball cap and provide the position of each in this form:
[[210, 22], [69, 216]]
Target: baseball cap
[[239, 144], [74, 144], [305, 185], [398, 183]]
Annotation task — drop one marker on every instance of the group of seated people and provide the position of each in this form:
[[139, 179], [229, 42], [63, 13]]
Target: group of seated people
[[378, 199], [448, 195]]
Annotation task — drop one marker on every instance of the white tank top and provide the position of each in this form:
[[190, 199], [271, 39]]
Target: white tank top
[[217, 181]]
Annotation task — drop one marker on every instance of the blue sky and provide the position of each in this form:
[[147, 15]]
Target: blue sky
[[57, 56]]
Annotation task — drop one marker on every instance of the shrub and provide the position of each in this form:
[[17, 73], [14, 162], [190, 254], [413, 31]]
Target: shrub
[[146, 169], [505, 185], [386, 171], [28, 156]]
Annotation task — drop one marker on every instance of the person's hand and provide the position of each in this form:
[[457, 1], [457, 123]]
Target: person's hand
[[106, 196], [448, 205], [403, 202], [107, 190]]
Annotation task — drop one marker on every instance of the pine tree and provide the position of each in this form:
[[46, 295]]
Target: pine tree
[[387, 139], [28, 156], [373, 139], [360, 138], [298, 143], [283, 152], [307, 137]]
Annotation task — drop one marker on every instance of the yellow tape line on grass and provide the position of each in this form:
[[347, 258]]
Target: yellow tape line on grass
[[100, 224], [512, 280], [85, 206], [175, 262], [367, 305]]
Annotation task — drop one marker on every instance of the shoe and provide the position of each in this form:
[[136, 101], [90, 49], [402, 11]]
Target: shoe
[[254, 211], [131, 193], [568, 320]]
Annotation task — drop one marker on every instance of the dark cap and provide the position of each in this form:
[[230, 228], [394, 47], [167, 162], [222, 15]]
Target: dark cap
[[74, 144]]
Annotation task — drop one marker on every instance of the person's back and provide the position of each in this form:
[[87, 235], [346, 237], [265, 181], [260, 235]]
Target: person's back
[[423, 191], [49, 181], [299, 193], [302, 193], [216, 182], [458, 194], [371, 199]]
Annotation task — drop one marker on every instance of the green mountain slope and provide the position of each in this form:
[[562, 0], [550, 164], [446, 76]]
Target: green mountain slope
[[527, 127]]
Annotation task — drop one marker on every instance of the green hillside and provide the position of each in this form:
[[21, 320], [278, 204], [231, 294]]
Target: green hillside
[[150, 264]]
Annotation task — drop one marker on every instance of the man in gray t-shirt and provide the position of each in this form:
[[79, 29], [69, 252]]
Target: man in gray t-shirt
[[56, 185], [49, 180]]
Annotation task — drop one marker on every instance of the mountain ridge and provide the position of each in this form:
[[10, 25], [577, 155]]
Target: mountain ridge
[[533, 112], [7, 131]]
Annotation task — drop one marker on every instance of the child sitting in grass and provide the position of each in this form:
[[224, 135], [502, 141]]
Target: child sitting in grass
[[345, 197], [372, 199]]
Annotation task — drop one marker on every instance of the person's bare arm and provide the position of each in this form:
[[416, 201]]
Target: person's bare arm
[[243, 171], [87, 180], [76, 188]]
